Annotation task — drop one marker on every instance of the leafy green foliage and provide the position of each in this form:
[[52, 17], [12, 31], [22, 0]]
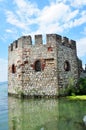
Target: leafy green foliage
[[79, 89], [70, 89]]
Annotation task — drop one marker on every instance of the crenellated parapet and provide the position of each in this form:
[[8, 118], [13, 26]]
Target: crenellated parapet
[[51, 39], [22, 42], [39, 69]]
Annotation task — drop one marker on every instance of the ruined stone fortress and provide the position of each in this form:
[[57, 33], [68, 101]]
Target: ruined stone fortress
[[41, 69]]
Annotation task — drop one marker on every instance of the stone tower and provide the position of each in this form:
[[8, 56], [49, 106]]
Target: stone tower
[[41, 69]]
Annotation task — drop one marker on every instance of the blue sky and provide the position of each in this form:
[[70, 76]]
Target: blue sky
[[29, 17]]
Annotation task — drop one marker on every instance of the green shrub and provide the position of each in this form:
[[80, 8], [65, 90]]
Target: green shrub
[[70, 89], [81, 87]]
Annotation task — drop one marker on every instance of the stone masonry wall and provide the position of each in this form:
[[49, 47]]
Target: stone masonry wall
[[67, 55], [15, 59], [42, 82], [15, 65], [40, 69], [26, 80]]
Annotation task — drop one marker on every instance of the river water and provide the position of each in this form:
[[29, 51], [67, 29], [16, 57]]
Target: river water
[[3, 107], [40, 114]]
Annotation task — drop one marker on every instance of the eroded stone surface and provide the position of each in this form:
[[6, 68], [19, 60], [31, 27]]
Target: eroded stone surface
[[40, 69]]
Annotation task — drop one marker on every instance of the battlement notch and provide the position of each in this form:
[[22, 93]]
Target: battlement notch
[[65, 40]]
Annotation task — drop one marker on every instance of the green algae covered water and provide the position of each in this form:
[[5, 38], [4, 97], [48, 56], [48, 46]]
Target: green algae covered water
[[40, 114]]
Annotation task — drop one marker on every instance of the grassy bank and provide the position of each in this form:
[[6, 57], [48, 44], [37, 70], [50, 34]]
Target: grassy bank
[[83, 97]]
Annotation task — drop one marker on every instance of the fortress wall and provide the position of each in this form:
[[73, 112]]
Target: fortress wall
[[67, 67], [14, 69], [50, 57], [43, 82]]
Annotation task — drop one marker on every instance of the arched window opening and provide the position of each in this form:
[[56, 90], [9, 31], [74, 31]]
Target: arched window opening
[[38, 65], [67, 66], [13, 69]]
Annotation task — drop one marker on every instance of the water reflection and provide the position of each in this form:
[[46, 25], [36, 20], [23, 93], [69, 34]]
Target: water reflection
[[3, 107], [42, 114], [33, 114], [71, 114]]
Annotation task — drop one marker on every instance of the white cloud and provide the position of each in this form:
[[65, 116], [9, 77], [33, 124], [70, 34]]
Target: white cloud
[[71, 15], [51, 17], [24, 15], [53, 13], [73, 3], [12, 19], [83, 66], [56, 17], [81, 20], [9, 30], [78, 3], [26, 7], [60, 16], [81, 47], [3, 70], [75, 22]]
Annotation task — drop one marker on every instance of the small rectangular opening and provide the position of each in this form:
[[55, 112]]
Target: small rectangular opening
[[16, 44], [11, 47]]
